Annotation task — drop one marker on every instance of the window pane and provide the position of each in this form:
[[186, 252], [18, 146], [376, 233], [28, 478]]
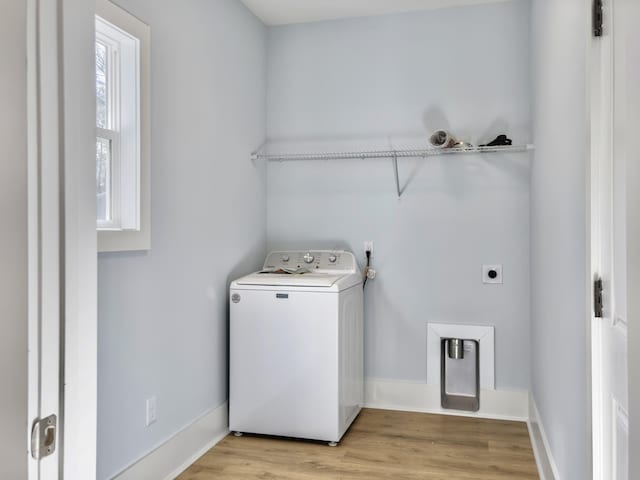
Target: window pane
[[102, 99], [103, 179]]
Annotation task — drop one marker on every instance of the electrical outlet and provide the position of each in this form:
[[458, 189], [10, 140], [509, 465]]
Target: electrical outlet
[[152, 411], [492, 274], [368, 246]]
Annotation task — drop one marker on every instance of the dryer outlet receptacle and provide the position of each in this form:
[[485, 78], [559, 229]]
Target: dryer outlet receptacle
[[492, 274]]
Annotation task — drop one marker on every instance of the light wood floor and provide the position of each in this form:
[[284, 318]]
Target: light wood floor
[[381, 444]]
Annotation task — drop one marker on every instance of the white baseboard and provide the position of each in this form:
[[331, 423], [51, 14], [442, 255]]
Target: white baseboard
[[547, 469], [422, 397], [182, 450]]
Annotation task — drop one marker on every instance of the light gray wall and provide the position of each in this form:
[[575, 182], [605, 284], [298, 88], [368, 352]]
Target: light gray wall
[[382, 81], [559, 266], [163, 313], [13, 241]]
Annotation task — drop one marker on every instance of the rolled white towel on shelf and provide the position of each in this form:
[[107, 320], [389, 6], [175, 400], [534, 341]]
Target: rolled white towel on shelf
[[442, 139]]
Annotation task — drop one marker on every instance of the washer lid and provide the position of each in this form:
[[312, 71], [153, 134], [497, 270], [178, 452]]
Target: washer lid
[[289, 280]]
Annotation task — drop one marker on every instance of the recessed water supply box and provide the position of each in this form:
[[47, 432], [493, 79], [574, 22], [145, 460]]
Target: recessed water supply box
[[460, 374]]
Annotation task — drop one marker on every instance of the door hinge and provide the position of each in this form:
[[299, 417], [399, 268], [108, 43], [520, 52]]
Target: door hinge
[[598, 18], [43, 437], [598, 306]]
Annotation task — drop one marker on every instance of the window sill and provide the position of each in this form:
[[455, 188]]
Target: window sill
[[123, 241]]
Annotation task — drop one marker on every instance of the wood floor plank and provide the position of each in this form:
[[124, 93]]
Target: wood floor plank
[[381, 444]]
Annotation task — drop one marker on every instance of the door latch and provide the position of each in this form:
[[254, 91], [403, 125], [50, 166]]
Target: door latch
[[598, 305], [43, 437]]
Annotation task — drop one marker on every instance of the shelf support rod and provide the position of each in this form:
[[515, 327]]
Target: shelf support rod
[[395, 169]]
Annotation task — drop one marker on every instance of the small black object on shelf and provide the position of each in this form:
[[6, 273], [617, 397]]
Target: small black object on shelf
[[499, 141]]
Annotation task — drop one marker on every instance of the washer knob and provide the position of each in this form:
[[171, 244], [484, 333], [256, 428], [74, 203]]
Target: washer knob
[[332, 259], [285, 258], [308, 258]]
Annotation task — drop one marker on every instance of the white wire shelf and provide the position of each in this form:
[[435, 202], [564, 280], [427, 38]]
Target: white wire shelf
[[394, 155], [372, 154]]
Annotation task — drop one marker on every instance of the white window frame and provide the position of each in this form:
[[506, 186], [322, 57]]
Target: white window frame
[[128, 47], [113, 224], [111, 132]]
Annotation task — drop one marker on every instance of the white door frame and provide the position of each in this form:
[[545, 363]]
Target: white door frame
[[600, 102], [44, 228], [62, 233], [80, 239]]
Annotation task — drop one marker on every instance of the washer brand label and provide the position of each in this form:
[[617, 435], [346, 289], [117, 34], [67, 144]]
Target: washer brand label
[[235, 298], [282, 295]]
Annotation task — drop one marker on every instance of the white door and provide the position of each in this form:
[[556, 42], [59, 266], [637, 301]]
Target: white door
[[62, 244], [615, 127], [29, 244], [626, 119], [44, 240]]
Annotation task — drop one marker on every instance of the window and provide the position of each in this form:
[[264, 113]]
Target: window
[[122, 129]]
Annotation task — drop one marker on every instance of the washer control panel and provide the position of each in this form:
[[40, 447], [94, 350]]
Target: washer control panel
[[321, 260]]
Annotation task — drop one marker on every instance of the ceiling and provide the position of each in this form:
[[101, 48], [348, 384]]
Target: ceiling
[[282, 12]]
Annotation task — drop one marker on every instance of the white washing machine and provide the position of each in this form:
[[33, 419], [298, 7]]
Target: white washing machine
[[296, 346]]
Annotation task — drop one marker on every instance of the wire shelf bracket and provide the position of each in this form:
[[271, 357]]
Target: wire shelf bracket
[[389, 154]]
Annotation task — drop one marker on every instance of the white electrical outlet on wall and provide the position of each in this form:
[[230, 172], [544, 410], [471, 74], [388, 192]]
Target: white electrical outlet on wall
[[152, 411], [368, 246]]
